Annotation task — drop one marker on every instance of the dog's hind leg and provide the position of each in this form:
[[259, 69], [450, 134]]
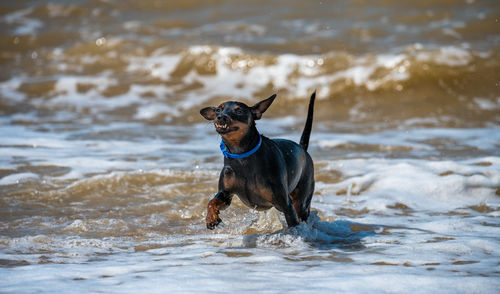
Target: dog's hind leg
[[291, 215], [301, 196], [302, 206], [283, 203]]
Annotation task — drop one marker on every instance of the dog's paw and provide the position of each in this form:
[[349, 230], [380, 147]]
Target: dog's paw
[[212, 224]]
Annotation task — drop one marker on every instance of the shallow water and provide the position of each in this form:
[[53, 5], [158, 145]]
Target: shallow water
[[106, 166]]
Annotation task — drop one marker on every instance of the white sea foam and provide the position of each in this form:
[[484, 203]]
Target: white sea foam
[[417, 184], [66, 87], [295, 74], [18, 178], [451, 56], [383, 263], [417, 139], [8, 90], [158, 65], [487, 104], [244, 78], [422, 251], [24, 25]]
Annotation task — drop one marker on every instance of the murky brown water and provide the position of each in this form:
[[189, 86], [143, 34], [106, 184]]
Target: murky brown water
[[106, 165]]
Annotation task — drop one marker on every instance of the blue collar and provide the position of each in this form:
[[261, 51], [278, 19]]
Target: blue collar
[[240, 155]]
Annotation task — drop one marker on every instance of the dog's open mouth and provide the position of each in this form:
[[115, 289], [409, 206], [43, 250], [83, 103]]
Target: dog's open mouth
[[224, 128]]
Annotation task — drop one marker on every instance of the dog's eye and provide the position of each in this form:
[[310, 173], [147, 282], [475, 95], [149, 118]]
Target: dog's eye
[[238, 111], [217, 110]]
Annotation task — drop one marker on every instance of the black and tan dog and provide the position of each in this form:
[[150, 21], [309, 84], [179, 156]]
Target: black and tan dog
[[262, 172]]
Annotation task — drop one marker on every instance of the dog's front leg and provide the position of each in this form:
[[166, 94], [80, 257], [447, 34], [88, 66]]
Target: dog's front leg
[[220, 202]]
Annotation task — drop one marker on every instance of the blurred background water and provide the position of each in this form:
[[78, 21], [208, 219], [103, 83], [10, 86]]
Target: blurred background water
[[106, 165]]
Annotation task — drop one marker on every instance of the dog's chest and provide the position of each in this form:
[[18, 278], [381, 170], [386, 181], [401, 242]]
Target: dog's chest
[[252, 188]]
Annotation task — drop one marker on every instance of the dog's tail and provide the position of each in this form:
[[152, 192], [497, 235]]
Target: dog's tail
[[306, 133]]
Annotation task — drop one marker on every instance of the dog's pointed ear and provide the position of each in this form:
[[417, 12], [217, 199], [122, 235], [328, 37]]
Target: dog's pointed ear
[[208, 113], [261, 107]]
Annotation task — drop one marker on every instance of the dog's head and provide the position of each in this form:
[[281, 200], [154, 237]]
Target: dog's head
[[233, 119]]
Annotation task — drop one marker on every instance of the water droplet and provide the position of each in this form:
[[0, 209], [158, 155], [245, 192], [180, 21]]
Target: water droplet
[[101, 41]]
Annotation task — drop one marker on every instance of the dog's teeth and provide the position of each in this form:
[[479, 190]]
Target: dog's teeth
[[220, 126], [224, 126]]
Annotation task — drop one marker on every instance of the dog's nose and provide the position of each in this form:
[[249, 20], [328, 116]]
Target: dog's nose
[[222, 119]]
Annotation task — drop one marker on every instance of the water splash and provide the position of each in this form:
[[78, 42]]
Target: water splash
[[314, 233]]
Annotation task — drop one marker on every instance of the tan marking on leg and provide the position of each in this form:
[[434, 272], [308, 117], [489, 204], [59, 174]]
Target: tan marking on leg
[[296, 204], [213, 218], [265, 193]]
